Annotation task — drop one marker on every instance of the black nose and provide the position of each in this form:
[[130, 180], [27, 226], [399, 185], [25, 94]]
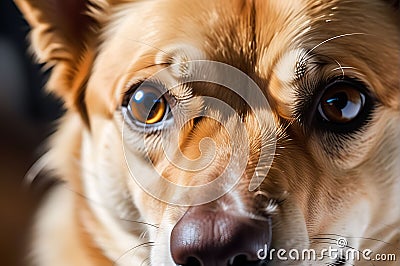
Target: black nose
[[206, 237]]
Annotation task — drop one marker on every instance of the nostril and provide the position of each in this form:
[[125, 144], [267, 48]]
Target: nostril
[[238, 260], [241, 260], [192, 261]]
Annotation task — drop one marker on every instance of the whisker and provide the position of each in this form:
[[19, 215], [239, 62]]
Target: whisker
[[331, 39], [100, 205], [34, 171], [151, 46], [40, 166], [139, 222], [342, 68], [145, 260], [90, 171], [145, 245]]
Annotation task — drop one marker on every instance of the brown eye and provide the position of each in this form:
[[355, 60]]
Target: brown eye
[[147, 105], [341, 103]]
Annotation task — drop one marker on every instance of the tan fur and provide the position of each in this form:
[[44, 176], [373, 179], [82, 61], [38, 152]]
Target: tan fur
[[326, 191]]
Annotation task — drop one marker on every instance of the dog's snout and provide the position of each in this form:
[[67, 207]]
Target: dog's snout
[[206, 237]]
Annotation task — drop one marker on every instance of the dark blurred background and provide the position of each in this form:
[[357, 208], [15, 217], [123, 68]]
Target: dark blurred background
[[27, 116]]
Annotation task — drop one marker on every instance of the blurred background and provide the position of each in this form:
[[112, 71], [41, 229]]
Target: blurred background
[[27, 116]]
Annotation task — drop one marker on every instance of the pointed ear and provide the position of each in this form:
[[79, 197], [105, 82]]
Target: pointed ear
[[63, 34]]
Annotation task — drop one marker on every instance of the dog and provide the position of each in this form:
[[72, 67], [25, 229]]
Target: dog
[[220, 132]]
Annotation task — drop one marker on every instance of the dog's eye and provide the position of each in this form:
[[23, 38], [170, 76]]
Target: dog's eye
[[147, 105], [343, 105]]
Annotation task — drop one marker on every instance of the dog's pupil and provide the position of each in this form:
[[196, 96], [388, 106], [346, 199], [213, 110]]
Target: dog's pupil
[[147, 107], [342, 105], [155, 106], [339, 100]]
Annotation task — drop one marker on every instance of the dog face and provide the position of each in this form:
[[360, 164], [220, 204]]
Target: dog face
[[203, 131]]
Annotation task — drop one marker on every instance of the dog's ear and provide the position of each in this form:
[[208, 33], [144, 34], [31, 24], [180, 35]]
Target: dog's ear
[[63, 33]]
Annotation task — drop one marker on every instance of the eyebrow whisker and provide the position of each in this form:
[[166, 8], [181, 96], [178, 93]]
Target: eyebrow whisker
[[334, 38]]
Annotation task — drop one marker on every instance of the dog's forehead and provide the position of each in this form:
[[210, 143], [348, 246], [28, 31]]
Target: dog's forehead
[[238, 33], [244, 34], [264, 39]]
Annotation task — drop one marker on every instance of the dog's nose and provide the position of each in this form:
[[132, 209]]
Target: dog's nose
[[206, 237]]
